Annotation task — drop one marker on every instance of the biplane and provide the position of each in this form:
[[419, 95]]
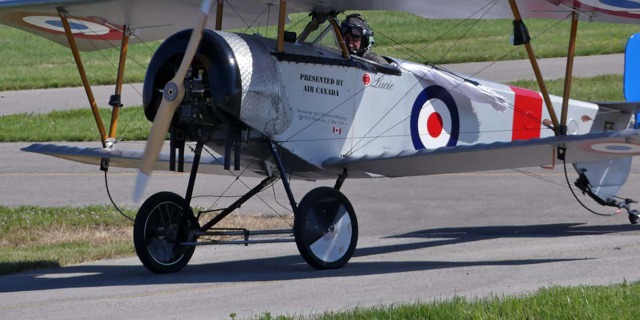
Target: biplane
[[303, 106]]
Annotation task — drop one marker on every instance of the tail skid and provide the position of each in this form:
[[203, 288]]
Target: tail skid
[[602, 180]]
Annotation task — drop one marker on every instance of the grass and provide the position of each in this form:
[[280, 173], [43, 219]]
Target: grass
[[451, 41], [71, 125], [600, 88], [29, 61], [583, 302], [36, 237]]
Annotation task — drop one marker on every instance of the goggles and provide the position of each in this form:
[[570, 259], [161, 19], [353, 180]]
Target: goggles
[[355, 33]]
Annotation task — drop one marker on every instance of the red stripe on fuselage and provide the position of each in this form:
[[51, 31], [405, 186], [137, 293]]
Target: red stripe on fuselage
[[527, 114]]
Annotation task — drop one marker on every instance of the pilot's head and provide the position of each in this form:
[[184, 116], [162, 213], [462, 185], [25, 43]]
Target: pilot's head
[[357, 34]]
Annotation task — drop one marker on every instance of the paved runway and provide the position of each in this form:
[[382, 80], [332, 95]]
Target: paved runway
[[422, 239]]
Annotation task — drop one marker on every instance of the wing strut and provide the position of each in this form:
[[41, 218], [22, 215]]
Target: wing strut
[[568, 74], [219, 12], [522, 35], [115, 102], [282, 18], [336, 30], [85, 81]]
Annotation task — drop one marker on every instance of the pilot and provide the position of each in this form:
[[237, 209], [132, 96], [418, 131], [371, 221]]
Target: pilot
[[359, 37]]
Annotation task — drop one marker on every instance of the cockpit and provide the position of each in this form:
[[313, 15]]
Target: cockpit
[[324, 31]]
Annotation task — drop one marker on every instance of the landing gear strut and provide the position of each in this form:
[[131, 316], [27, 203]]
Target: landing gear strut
[[325, 229], [325, 226]]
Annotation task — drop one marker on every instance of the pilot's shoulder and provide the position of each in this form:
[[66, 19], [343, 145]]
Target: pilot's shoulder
[[375, 58]]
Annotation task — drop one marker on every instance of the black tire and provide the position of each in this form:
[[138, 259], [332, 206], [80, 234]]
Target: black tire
[[633, 216], [158, 229], [326, 228]]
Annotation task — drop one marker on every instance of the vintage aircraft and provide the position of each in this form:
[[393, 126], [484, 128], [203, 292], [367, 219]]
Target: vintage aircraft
[[304, 106]]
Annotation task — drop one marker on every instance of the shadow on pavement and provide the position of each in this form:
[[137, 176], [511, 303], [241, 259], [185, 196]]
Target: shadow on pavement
[[292, 267]]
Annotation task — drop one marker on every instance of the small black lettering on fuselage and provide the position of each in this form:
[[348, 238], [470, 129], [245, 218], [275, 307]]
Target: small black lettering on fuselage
[[319, 79], [322, 80]]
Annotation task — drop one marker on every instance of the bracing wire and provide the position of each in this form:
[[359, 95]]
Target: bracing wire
[[537, 176], [416, 53], [266, 31], [475, 22], [237, 179], [510, 52]]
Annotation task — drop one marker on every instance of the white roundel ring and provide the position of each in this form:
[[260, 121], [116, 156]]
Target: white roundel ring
[[76, 26], [435, 121], [84, 28], [615, 148]]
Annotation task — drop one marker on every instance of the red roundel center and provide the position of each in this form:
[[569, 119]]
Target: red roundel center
[[434, 125], [366, 79]]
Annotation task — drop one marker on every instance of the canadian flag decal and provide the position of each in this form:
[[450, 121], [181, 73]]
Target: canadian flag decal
[[337, 130]]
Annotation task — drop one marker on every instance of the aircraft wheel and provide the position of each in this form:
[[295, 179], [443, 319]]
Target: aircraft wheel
[[158, 229], [325, 228], [633, 216]]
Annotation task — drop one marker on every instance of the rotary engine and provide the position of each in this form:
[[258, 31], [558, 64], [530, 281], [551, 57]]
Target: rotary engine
[[211, 103]]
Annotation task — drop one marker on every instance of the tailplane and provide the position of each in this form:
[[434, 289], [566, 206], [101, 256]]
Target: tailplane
[[602, 180]]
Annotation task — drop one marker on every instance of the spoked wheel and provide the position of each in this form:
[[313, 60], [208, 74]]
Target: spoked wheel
[[160, 226], [633, 216], [325, 228]]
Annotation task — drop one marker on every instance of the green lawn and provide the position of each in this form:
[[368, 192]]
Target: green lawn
[[583, 302], [29, 61], [34, 237]]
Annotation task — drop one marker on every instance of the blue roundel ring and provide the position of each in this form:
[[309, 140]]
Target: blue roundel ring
[[625, 4], [440, 93]]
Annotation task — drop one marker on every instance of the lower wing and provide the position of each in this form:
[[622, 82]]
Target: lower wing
[[124, 158], [499, 155]]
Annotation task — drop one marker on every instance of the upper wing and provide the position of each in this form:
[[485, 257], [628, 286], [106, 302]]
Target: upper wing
[[499, 155], [98, 24]]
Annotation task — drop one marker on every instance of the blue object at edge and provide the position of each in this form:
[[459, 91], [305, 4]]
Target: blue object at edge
[[631, 80]]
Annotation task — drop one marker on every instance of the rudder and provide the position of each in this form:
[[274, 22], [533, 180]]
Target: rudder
[[631, 86]]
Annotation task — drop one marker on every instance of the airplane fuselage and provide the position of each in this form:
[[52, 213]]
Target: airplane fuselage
[[317, 105]]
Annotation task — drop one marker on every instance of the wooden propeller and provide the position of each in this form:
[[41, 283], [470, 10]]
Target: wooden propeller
[[171, 99]]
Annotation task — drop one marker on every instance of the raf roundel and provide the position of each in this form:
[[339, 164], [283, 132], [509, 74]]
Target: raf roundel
[[435, 121], [86, 28], [614, 148], [622, 8]]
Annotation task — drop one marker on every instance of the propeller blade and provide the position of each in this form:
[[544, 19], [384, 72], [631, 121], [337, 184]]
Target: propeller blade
[[173, 94]]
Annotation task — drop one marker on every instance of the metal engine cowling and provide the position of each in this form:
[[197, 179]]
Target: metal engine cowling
[[213, 88]]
